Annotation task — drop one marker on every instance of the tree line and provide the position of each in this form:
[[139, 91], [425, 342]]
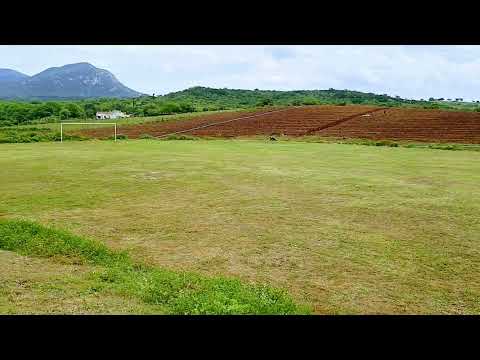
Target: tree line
[[22, 112], [199, 99]]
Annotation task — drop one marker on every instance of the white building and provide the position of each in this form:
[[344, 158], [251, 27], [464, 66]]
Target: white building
[[115, 114]]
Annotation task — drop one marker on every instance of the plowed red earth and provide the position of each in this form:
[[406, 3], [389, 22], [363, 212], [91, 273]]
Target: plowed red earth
[[411, 124], [293, 122], [366, 122], [288, 121], [163, 128]]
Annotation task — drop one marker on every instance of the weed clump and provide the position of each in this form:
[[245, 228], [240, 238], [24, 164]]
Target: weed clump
[[119, 137], [444, 147], [180, 137], [386, 143], [147, 136]]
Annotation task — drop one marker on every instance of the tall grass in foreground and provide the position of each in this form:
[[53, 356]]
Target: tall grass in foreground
[[178, 293]]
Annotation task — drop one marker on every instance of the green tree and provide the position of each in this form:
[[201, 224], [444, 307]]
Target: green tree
[[75, 110], [265, 102], [64, 114]]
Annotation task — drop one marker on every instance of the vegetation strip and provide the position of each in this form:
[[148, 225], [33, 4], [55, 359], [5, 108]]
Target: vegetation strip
[[383, 142], [178, 293], [201, 99]]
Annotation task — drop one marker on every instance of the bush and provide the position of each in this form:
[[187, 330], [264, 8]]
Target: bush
[[147, 136], [180, 137], [265, 102], [119, 137], [386, 143], [432, 106], [444, 147], [310, 101], [32, 134], [64, 114]]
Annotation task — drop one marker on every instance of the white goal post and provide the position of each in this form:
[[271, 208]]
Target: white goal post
[[86, 123]]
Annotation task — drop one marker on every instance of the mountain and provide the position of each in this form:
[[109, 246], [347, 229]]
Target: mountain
[[7, 75], [74, 81]]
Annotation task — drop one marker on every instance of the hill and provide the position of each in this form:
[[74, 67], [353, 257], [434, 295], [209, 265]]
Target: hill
[[233, 98], [196, 99], [8, 75], [74, 81]]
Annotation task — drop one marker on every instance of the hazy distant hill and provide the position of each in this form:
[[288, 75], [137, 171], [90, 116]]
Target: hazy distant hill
[[7, 75], [73, 81]]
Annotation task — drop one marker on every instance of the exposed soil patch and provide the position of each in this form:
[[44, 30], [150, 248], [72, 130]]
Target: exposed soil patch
[[411, 124], [164, 128], [356, 121], [293, 121]]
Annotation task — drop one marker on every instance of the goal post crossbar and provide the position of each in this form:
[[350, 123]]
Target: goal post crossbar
[[86, 123]]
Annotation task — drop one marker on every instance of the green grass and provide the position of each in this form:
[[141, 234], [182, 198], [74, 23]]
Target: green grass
[[179, 293], [389, 143], [347, 228]]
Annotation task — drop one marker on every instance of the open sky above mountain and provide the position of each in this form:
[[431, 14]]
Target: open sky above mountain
[[408, 71]]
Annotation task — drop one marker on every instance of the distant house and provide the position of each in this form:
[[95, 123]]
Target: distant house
[[115, 114]]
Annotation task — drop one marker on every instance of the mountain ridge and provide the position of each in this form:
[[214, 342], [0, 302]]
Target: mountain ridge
[[11, 75], [71, 81]]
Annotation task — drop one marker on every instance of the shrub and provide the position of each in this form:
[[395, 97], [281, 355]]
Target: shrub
[[147, 136], [119, 137], [64, 114], [386, 143], [265, 102], [444, 147], [310, 101], [431, 106], [180, 137]]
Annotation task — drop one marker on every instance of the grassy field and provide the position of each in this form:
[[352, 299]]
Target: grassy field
[[346, 228], [169, 291]]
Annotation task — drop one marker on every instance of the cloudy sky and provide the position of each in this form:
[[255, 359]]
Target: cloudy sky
[[408, 71]]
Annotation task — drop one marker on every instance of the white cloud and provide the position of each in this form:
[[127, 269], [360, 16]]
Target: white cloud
[[408, 71]]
